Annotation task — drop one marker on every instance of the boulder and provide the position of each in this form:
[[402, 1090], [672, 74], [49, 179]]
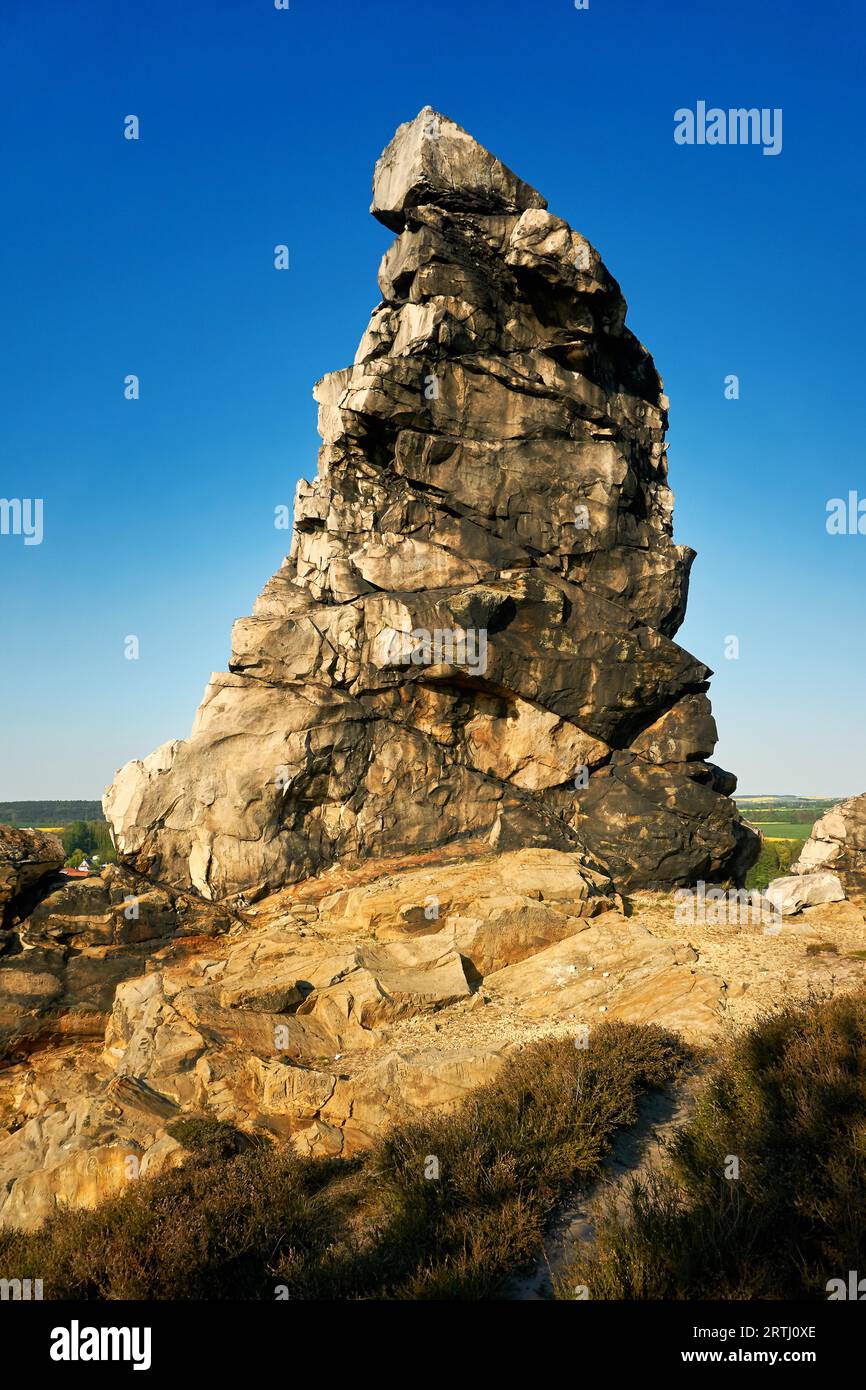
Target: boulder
[[399, 1085], [616, 969], [82, 939], [390, 982], [793, 893], [75, 1141], [149, 1040], [109, 909], [431, 160], [420, 900], [84, 1179]]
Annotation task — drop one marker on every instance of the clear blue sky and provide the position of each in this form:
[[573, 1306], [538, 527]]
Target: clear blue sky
[[261, 126]]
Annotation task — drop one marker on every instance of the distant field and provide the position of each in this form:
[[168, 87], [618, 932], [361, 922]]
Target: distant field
[[784, 817], [766, 800], [779, 830], [82, 836], [803, 812], [786, 824]]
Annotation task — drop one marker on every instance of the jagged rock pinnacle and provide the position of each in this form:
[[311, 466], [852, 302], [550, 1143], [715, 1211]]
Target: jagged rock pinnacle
[[472, 637]]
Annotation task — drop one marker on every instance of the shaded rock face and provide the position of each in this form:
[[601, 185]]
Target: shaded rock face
[[27, 859], [84, 937], [472, 637], [837, 846]]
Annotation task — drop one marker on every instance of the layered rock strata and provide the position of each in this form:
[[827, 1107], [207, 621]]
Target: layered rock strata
[[333, 1013], [63, 962], [472, 637]]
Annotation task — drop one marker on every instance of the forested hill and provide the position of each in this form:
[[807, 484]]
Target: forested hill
[[48, 813]]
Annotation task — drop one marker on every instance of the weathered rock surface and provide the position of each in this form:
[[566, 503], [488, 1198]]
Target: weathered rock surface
[[330, 1013], [27, 858], [454, 726], [616, 968], [838, 845], [72, 1139], [84, 936], [418, 899], [472, 637]]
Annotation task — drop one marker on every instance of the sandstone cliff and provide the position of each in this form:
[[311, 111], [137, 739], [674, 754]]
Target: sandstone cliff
[[472, 637]]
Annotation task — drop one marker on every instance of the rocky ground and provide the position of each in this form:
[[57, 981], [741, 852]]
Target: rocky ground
[[334, 1006], [821, 949]]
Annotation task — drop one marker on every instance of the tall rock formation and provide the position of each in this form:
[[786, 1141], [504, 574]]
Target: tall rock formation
[[472, 637]]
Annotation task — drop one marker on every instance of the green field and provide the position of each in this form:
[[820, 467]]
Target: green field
[[780, 830], [786, 824], [788, 810]]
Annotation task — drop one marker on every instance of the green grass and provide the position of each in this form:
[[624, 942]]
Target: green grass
[[788, 1100], [798, 809], [242, 1217], [780, 830]]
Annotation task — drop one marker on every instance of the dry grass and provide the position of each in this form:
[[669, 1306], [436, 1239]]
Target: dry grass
[[242, 1218], [788, 1100]]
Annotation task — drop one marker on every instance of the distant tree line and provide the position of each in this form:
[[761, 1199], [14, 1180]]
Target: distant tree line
[[775, 861], [84, 839], [26, 813]]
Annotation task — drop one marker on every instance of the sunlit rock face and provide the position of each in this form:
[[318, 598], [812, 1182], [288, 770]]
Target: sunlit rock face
[[837, 845], [472, 637]]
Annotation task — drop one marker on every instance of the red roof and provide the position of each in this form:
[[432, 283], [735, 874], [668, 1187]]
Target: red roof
[[77, 873]]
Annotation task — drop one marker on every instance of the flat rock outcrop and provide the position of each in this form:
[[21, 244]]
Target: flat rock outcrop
[[837, 846], [472, 637], [329, 1013], [85, 936]]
